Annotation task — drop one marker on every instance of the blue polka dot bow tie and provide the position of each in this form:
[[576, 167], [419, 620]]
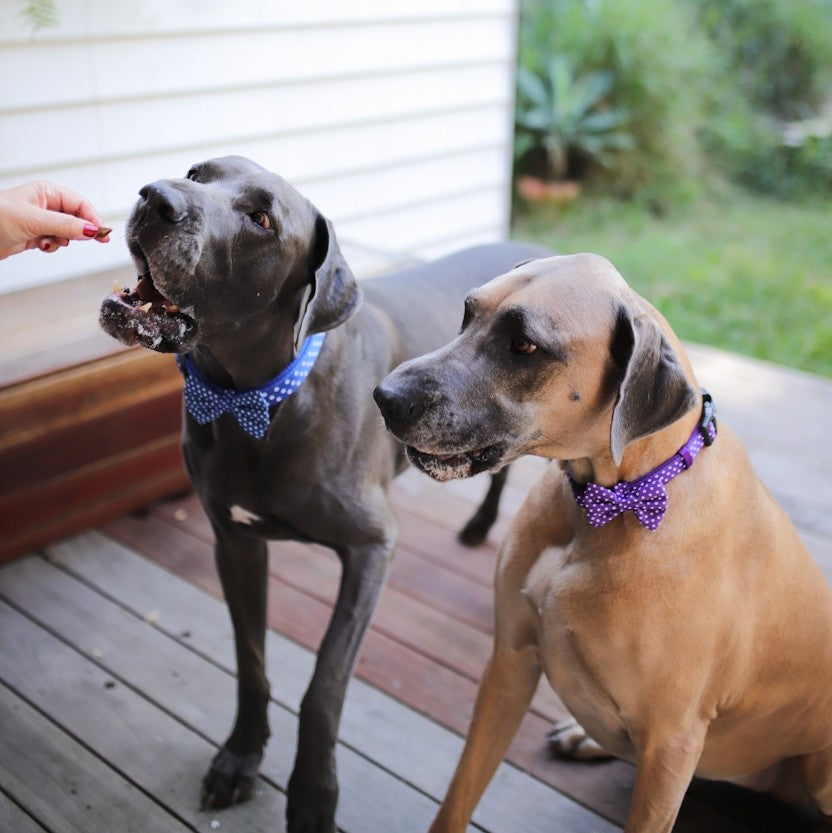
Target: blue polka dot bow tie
[[646, 497], [206, 401]]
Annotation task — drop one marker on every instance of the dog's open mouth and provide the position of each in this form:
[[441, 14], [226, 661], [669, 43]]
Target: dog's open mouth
[[145, 317], [450, 466]]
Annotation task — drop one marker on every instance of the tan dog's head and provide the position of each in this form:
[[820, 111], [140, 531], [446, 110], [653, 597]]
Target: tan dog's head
[[558, 358]]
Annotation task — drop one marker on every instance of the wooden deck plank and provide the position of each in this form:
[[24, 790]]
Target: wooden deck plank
[[448, 697], [66, 787], [303, 587], [419, 666], [783, 418], [433, 688], [154, 752], [15, 820], [184, 687], [423, 760]]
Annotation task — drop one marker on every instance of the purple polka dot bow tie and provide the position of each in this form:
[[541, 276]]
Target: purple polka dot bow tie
[[206, 401], [647, 500], [646, 497]]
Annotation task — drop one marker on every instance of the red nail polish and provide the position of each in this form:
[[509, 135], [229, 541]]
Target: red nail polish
[[90, 230]]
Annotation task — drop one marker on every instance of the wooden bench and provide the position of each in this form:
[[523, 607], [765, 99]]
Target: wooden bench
[[88, 429]]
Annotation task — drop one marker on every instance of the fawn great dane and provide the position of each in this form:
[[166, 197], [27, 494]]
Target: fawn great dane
[[649, 574]]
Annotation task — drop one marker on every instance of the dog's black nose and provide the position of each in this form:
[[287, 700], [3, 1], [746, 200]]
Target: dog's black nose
[[169, 203], [399, 408]]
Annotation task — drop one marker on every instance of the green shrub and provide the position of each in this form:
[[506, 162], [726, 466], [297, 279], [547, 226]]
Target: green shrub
[[780, 50], [662, 66], [780, 57], [706, 85], [568, 118]]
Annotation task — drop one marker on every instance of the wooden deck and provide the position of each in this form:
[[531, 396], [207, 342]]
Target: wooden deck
[[116, 666]]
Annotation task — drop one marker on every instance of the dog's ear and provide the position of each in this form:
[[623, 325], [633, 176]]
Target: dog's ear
[[523, 262], [332, 295], [654, 391]]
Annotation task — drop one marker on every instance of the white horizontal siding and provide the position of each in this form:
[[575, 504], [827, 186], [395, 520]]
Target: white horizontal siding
[[387, 115], [99, 20], [183, 64], [126, 129]]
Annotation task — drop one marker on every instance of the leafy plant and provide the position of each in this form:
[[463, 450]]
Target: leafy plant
[[780, 59], [780, 51], [566, 115], [39, 14], [664, 73]]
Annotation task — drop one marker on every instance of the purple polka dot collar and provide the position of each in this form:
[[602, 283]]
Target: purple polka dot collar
[[206, 401], [646, 497]]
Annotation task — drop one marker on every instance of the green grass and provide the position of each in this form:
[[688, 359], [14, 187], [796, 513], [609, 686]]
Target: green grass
[[750, 275]]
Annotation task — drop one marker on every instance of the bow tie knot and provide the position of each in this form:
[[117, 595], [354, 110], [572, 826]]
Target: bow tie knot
[[647, 500], [249, 408]]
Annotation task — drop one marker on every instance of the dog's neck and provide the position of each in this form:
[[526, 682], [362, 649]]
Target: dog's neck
[[245, 357], [645, 495], [640, 456]]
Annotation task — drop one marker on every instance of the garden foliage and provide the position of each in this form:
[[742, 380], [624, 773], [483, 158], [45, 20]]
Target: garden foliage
[[689, 91]]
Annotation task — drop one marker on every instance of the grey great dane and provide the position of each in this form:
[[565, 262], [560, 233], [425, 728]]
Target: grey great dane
[[243, 278]]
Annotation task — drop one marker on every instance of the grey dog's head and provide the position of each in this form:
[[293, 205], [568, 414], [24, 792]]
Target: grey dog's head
[[559, 358], [229, 244]]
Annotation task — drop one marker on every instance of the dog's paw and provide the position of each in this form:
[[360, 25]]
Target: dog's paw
[[229, 780], [475, 531], [310, 804], [569, 741]]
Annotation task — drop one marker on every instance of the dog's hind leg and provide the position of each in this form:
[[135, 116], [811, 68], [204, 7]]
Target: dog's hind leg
[[475, 531], [242, 564], [312, 793], [569, 740], [817, 775]]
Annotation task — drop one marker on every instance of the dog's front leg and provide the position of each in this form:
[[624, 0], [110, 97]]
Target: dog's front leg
[[242, 564], [506, 690], [665, 764], [313, 787]]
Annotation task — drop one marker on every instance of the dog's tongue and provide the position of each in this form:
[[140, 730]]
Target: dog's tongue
[[146, 290]]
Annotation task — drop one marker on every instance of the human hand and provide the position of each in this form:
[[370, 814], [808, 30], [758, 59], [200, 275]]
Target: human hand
[[46, 216]]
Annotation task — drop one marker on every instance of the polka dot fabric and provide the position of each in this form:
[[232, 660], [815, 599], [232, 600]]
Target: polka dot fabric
[[206, 402], [646, 497]]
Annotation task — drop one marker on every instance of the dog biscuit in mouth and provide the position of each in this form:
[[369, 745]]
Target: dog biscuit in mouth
[[145, 317]]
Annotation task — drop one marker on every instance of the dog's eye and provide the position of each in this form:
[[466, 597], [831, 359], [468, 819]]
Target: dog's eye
[[262, 219], [519, 344]]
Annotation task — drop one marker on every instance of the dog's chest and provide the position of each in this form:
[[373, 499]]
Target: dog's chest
[[589, 640], [277, 495]]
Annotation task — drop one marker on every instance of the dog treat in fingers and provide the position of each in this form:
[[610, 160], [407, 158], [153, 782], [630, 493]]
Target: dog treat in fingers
[[102, 232]]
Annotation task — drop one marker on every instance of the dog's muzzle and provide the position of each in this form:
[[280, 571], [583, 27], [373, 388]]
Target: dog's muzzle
[[144, 316], [402, 412]]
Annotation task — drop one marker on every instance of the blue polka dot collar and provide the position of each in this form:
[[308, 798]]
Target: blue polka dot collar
[[206, 401], [646, 497]]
